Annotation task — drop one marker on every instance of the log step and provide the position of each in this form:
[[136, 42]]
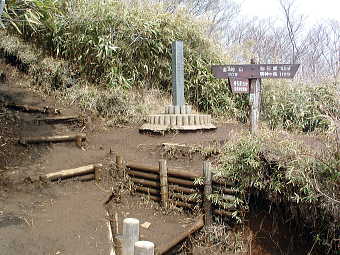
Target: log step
[[49, 139], [68, 173]]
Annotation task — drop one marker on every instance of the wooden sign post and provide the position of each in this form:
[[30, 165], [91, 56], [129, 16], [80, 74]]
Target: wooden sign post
[[247, 79]]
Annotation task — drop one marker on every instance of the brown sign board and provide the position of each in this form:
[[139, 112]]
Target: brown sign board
[[256, 71], [239, 85]]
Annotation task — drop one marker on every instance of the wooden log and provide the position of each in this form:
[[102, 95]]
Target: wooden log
[[49, 139], [98, 172], [155, 177], [130, 235], [171, 172], [117, 238], [225, 190], [184, 198], [150, 191], [33, 109], [181, 181], [221, 182], [143, 175], [185, 174], [182, 189], [183, 204], [223, 212], [119, 162], [85, 178], [207, 205], [79, 141], [118, 244], [59, 119], [163, 171], [146, 182], [112, 224], [68, 173], [144, 248], [111, 230], [179, 238]]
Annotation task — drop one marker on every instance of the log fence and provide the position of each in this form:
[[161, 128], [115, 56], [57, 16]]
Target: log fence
[[179, 188]]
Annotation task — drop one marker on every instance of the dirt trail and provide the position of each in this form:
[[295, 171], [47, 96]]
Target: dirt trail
[[69, 218]]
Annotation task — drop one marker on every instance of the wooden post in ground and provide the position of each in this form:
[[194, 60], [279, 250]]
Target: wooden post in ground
[[79, 141], [98, 172], [254, 102], [130, 235], [144, 248], [118, 244], [163, 174], [119, 162], [208, 219]]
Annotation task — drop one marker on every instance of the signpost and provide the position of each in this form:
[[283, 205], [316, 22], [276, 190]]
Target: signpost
[[247, 79]]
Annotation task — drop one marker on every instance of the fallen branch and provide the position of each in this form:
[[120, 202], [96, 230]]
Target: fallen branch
[[49, 139], [84, 170]]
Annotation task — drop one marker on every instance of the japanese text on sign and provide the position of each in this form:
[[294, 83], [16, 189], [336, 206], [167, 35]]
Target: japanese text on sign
[[239, 85], [279, 71]]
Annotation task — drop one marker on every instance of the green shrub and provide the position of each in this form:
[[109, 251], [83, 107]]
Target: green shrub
[[290, 175], [306, 108], [117, 46], [130, 47]]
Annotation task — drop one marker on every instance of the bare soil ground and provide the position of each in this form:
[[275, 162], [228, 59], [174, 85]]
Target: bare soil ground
[[69, 217]]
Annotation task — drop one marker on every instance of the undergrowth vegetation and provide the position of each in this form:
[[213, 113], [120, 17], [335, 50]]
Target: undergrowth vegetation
[[127, 47], [115, 45], [305, 108], [291, 175]]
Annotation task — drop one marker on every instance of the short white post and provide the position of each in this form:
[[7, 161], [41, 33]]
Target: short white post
[[144, 248], [130, 235]]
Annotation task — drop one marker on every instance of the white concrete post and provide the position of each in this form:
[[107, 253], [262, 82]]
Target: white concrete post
[[144, 248], [130, 235]]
